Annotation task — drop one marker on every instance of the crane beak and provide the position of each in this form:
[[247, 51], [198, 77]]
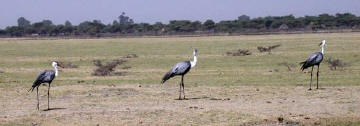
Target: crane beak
[[60, 65], [320, 43]]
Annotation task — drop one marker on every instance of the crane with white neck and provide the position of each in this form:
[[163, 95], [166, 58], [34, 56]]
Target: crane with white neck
[[46, 76], [180, 69], [314, 60]]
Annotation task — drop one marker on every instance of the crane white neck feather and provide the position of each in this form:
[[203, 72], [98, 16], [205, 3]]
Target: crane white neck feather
[[322, 48], [193, 63], [56, 71]]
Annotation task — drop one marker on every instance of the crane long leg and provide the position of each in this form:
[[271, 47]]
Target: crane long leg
[[37, 96], [49, 96], [312, 68], [182, 83], [317, 77], [180, 91]]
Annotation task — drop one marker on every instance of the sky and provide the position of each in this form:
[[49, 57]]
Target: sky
[[151, 11]]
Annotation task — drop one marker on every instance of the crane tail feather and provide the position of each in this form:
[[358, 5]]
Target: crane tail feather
[[31, 89], [166, 77], [35, 84], [303, 66]]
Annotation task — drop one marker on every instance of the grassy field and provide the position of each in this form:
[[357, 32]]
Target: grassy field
[[249, 81]]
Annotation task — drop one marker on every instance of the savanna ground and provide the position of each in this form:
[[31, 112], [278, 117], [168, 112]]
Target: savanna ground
[[221, 90]]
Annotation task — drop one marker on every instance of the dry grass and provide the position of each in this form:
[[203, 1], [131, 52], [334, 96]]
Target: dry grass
[[287, 65], [67, 65], [257, 89]]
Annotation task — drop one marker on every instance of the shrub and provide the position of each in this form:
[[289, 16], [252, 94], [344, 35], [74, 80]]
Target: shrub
[[288, 65], [267, 49], [336, 63], [131, 56], [239, 52], [108, 69]]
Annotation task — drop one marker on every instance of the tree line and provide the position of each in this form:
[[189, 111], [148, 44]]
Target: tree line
[[125, 25]]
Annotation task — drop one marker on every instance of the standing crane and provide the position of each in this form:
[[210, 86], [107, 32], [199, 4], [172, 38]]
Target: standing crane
[[314, 59], [46, 76], [180, 69]]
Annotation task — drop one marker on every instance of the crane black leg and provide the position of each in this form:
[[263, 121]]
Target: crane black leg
[[312, 68], [49, 96], [317, 77], [37, 96], [182, 84], [180, 91]]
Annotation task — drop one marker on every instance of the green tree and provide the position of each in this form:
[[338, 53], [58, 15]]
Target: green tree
[[44, 27], [15, 31], [125, 20], [346, 19], [68, 28], [209, 25], [68, 24], [143, 27], [2, 32], [196, 25], [181, 26], [327, 20], [243, 18], [268, 22], [22, 22], [91, 28], [227, 26]]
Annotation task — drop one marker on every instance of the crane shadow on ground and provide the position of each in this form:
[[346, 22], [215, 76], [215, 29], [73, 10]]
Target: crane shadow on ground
[[194, 98], [53, 109], [205, 97], [314, 89]]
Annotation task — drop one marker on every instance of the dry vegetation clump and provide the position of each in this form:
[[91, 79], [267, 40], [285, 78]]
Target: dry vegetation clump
[[336, 63], [239, 52], [67, 64], [288, 65], [2, 71], [126, 67], [267, 49], [133, 55], [108, 69]]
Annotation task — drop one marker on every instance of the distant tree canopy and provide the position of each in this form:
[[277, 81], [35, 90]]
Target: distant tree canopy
[[125, 25], [22, 22]]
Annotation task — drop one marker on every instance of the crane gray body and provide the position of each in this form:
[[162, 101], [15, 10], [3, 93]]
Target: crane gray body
[[314, 59], [178, 69], [46, 76]]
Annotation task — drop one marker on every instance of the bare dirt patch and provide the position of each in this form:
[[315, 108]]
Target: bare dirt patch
[[156, 104]]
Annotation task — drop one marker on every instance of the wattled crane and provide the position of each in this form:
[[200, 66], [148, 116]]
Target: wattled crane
[[180, 69], [314, 59], [46, 76]]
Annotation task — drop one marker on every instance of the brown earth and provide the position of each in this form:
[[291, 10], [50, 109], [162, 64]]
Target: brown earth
[[157, 105]]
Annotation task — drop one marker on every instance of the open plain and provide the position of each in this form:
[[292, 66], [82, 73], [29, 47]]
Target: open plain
[[256, 89]]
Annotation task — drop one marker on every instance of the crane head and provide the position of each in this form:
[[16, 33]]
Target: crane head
[[195, 52], [322, 43], [55, 64]]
